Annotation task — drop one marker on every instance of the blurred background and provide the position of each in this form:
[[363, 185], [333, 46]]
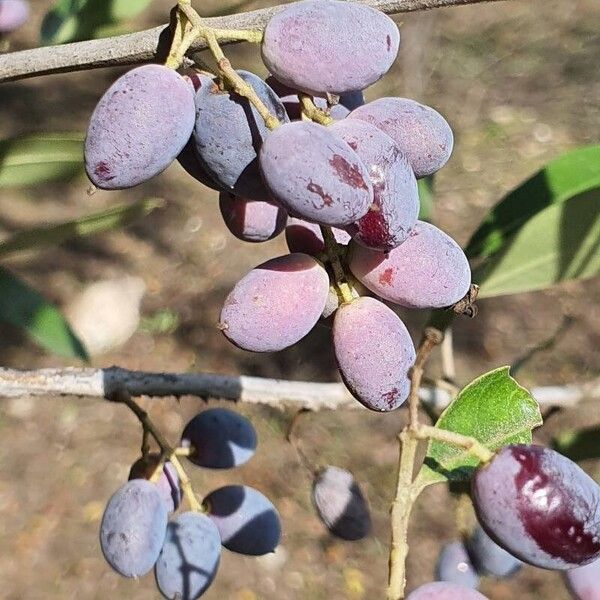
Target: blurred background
[[519, 84]]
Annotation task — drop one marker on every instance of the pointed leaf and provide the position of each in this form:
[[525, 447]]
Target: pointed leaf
[[559, 243], [25, 308], [568, 175], [495, 410], [34, 159], [113, 218]]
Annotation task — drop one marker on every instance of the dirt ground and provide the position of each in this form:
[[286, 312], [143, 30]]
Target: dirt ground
[[518, 81]]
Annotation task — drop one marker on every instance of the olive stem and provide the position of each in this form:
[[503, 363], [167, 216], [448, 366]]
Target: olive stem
[[254, 36], [431, 338], [188, 451], [333, 253], [227, 72], [174, 57], [157, 470], [406, 490], [293, 439], [312, 112], [145, 442], [185, 483], [461, 515], [167, 451], [472, 445], [406, 494]]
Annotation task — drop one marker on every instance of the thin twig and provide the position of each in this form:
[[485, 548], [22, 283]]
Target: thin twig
[[166, 449], [312, 112], [400, 515], [152, 44], [145, 448], [405, 492], [293, 439], [187, 451], [431, 338], [472, 445], [332, 249], [408, 490]]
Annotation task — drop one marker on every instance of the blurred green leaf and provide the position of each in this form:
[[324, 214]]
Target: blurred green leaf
[[579, 444], [161, 322], [74, 20], [126, 9], [563, 178], [495, 410], [35, 159], [559, 243], [25, 308], [425, 197], [113, 218]]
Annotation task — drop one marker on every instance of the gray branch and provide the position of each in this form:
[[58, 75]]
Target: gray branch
[[102, 383], [152, 44]]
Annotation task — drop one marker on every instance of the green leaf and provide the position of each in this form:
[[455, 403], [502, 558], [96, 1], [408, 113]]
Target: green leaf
[[579, 444], [495, 410], [425, 197], [23, 307], [161, 322], [35, 159], [559, 243], [568, 175], [126, 9], [75, 20], [107, 220]]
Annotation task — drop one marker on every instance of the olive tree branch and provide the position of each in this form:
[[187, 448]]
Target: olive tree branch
[[153, 44], [278, 393], [406, 495], [406, 492]]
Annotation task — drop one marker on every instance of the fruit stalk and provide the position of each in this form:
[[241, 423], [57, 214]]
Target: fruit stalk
[[167, 451], [312, 112], [238, 85], [332, 250]]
